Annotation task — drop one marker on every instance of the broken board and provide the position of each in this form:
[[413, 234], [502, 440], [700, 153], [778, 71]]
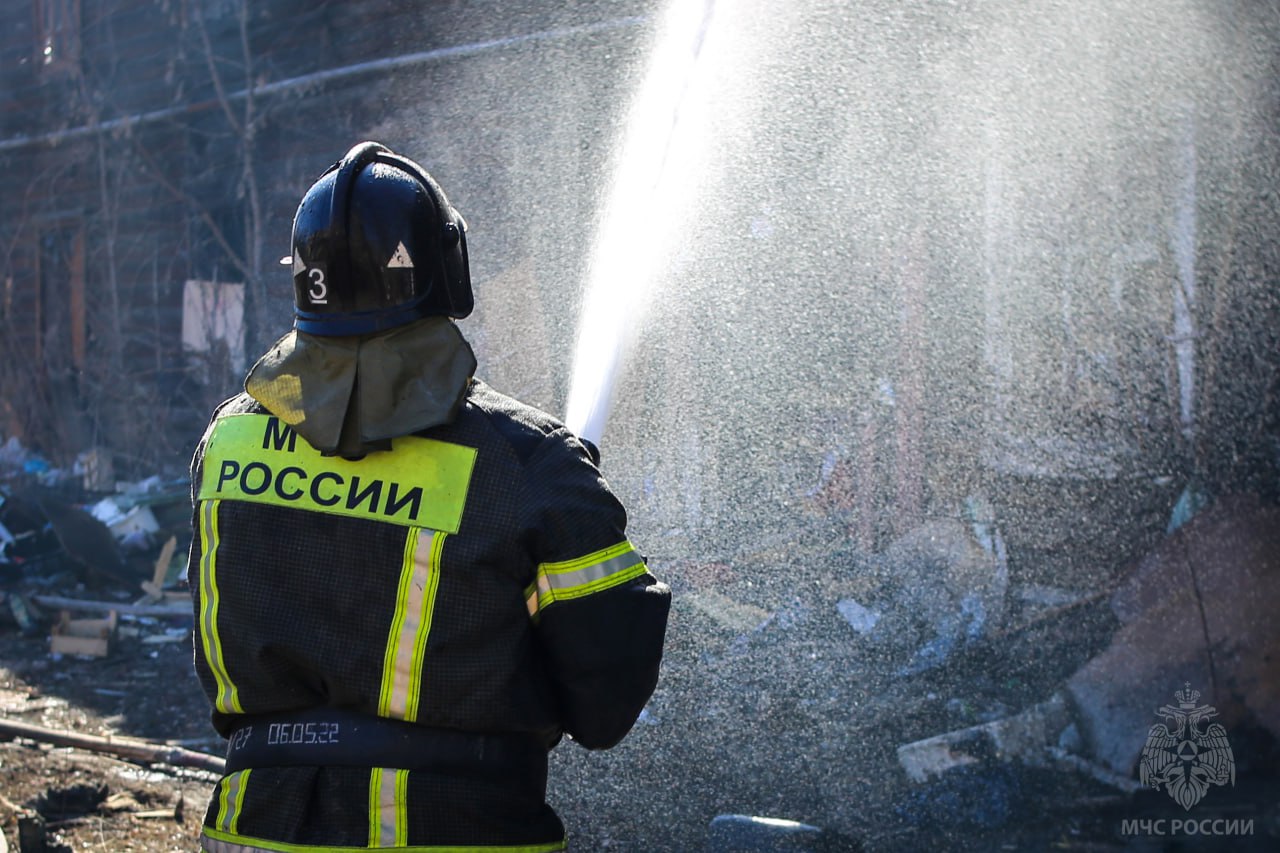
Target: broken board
[[82, 636]]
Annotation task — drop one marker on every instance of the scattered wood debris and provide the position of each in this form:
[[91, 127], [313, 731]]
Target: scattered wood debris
[[139, 751], [90, 637]]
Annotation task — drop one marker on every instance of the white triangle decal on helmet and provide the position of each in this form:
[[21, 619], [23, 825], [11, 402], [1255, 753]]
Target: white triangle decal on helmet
[[401, 259], [298, 265]]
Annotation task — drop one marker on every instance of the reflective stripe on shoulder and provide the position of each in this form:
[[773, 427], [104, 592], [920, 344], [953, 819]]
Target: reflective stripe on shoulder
[[420, 482], [583, 576], [216, 841]]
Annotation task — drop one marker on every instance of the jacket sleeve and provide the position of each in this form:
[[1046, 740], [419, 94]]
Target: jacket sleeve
[[600, 617]]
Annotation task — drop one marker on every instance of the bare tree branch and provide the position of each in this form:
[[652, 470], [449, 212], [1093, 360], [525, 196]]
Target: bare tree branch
[[194, 204], [211, 61]]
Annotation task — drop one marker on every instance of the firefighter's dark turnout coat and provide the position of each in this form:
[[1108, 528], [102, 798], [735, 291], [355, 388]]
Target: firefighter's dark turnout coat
[[476, 578]]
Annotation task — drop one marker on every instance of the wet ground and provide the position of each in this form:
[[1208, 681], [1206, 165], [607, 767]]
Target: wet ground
[[699, 751], [91, 801]]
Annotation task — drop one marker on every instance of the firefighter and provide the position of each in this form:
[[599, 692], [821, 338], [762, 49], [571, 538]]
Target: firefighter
[[407, 586]]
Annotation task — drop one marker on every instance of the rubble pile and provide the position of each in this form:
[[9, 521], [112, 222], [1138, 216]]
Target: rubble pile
[[100, 715], [71, 534], [932, 695]]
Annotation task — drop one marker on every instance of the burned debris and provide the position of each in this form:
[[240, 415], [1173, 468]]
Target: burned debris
[[67, 547], [94, 618]]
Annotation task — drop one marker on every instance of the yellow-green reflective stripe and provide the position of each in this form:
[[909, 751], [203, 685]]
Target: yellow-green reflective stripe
[[411, 625], [388, 816], [231, 799], [228, 698], [584, 575], [375, 805], [421, 482], [402, 807], [214, 841]]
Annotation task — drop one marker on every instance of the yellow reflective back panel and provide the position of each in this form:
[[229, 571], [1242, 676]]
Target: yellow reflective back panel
[[421, 482]]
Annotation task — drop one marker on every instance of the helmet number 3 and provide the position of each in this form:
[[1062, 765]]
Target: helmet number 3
[[319, 291]]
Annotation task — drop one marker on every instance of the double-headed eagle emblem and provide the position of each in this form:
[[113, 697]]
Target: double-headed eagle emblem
[[1189, 754]]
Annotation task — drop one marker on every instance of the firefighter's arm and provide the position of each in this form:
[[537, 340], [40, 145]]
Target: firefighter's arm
[[603, 652], [599, 615]]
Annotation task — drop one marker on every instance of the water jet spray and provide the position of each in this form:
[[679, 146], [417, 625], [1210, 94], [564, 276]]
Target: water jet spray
[[637, 226]]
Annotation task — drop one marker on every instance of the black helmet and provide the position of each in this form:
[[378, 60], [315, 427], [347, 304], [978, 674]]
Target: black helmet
[[375, 245]]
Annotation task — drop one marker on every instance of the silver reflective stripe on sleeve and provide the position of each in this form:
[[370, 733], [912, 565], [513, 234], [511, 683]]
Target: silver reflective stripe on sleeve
[[583, 576]]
